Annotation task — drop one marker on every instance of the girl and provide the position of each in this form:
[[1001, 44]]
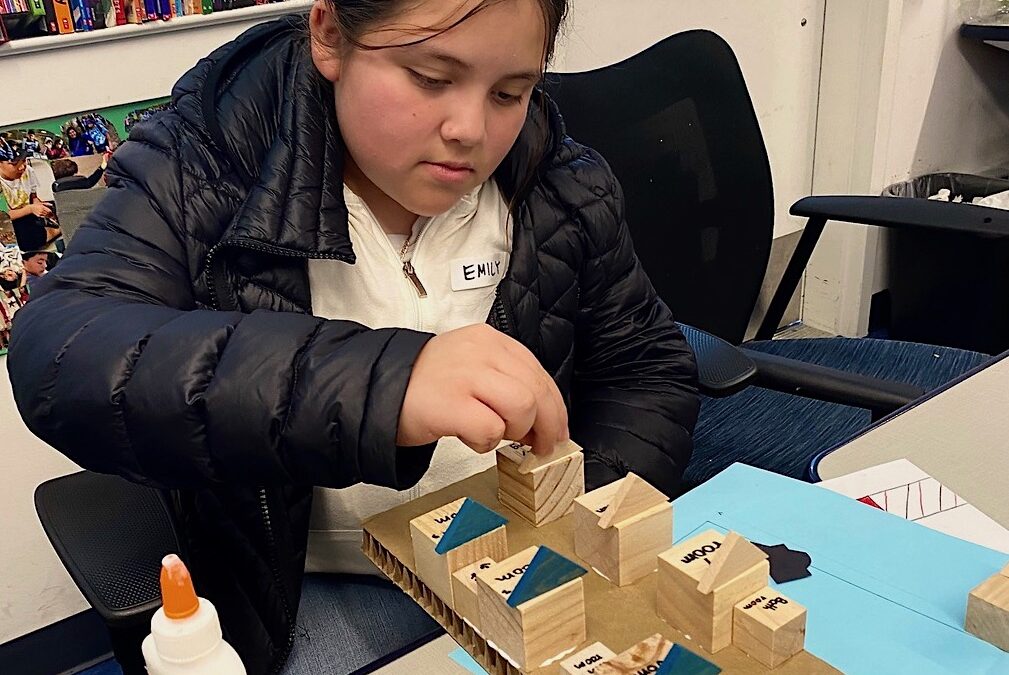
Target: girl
[[333, 254]]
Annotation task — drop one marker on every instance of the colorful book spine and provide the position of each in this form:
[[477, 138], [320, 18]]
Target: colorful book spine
[[165, 9], [80, 17], [150, 10], [37, 8], [119, 13], [208, 7], [64, 16]]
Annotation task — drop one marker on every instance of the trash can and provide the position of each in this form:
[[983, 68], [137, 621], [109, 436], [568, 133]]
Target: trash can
[[946, 288]]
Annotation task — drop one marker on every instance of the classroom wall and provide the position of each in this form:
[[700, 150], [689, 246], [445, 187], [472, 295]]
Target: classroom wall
[[35, 589], [917, 99]]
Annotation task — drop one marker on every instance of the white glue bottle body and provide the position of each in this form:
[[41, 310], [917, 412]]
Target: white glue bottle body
[[186, 636]]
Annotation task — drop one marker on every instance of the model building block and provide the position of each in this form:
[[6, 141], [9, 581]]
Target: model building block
[[532, 607], [644, 657], [540, 489], [701, 579], [769, 627], [464, 592], [586, 661], [988, 610], [453, 536], [638, 526]]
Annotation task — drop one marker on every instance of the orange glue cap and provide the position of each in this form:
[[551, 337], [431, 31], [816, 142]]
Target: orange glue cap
[[178, 597]]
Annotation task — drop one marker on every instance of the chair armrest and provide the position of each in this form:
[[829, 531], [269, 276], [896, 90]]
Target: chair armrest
[[722, 368], [111, 535], [898, 212], [833, 386]]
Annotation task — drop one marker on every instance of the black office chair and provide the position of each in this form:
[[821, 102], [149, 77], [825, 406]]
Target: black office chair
[[111, 535], [677, 126]]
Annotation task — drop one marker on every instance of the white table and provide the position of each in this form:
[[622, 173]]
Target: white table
[[960, 436]]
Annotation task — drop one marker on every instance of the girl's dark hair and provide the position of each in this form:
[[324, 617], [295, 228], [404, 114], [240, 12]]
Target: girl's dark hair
[[355, 17]]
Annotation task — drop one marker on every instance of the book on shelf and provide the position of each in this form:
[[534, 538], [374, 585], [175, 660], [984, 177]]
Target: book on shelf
[[64, 17]]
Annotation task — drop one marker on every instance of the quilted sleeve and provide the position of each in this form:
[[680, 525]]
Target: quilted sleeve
[[113, 363], [634, 400]]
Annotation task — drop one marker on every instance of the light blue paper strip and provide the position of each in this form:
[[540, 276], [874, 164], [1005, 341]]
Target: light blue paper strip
[[886, 595], [463, 658]]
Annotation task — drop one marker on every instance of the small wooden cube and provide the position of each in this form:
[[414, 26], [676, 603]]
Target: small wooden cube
[[464, 592], [435, 569], [988, 610], [628, 549], [586, 661], [705, 617], [769, 627], [540, 489], [644, 657], [538, 631]]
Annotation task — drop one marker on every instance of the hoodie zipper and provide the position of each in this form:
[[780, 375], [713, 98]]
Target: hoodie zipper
[[217, 276]]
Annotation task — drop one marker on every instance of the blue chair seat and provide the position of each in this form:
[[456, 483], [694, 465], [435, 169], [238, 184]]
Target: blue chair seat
[[781, 432]]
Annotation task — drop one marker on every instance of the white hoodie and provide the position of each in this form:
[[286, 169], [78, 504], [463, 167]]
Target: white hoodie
[[459, 257]]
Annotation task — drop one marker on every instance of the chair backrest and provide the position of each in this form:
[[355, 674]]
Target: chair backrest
[[676, 124]]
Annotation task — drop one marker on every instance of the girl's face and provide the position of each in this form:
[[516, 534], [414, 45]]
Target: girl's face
[[427, 123]]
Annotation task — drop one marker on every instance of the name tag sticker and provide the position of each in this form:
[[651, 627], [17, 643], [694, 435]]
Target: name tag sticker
[[468, 273]]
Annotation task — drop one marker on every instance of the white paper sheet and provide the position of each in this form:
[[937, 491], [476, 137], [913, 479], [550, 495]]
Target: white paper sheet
[[903, 489]]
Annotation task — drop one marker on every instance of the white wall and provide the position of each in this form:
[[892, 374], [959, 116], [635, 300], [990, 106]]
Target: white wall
[[35, 589], [126, 64], [924, 100], [779, 56]]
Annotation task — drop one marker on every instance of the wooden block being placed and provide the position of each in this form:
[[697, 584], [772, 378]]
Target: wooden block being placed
[[464, 592], [586, 661], [769, 627], [704, 617], [628, 548], [453, 536], [644, 657], [544, 628], [540, 489], [988, 610]]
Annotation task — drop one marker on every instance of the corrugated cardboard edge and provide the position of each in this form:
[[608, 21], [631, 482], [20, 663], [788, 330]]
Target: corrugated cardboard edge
[[461, 632]]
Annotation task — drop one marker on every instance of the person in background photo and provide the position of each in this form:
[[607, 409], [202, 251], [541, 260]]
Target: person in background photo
[[36, 264], [31, 217], [55, 148], [31, 145], [65, 173], [6, 149], [96, 132], [13, 291], [79, 144]]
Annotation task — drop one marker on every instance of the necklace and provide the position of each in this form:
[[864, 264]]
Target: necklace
[[408, 271]]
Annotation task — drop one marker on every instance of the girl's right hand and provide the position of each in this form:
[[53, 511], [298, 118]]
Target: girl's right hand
[[481, 386]]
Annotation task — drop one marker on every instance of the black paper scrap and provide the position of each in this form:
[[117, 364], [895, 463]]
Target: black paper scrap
[[786, 564]]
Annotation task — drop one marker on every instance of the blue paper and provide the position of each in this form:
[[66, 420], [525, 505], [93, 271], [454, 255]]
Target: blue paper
[[886, 595], [463, 658]]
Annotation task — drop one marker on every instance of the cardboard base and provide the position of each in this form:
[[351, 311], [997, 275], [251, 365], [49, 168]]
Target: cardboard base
[[387, 544]]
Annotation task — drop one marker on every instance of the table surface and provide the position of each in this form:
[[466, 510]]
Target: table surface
[[960, 436]]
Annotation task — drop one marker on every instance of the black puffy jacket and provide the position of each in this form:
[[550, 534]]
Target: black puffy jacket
[[174, 344]]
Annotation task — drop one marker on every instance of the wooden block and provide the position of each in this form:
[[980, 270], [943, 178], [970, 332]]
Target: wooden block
[[735, 557], [704, 617], [547, 491], [627, 550], [536, 632], [644, 657], [561, 450], [586, 661], [634, 495], [464, 592], [769, 627], [988, 611], [435, 569]]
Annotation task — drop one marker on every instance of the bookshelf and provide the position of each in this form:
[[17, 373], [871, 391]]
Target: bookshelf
[[63, 74]]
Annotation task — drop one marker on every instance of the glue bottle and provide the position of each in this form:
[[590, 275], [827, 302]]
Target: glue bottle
[[185, 632]]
